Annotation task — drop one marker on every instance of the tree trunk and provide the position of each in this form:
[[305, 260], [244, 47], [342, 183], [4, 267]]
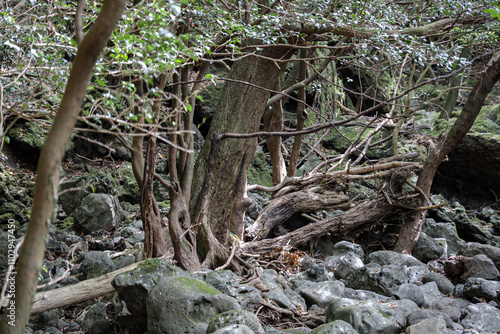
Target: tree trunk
[[410, 231], [345, 225], [240, 110], [280, 209], [46, 191]]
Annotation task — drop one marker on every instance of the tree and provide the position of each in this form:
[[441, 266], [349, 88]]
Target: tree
[[367, 64], [46, 192]]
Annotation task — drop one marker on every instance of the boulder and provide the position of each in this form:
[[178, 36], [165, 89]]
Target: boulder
[[322, 293], [474, 248], [97, 211], [429, 326], [372, 316], [184, 305], [446, 230], [389, 257], [96, 320], [427, 249], [380, 279], [479, 266], [482, 317], [235, 318], [95, 264], [335, 327]]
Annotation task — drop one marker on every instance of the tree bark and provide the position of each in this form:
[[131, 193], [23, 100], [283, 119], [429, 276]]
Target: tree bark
[[77, 293], [240, 110], [345, 225], [47, 184], [410, 231]]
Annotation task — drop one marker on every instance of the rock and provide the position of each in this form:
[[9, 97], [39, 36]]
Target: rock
[[481, 288], [444, 284], [298, 330], [95, 264], [97, 211], [234, 329], [235, 317], [419, 315], [46, 319], [349, 263], [380, 279], [479, 266], [389, 257], [96, 320], [362, 294], [427, 249], [417, 274], [335, 327], [451, 306], [431, 293], [71, 199], [322, 293], [411, 292], [258, 203], [454, 268], [372, 316], [344, 247], [428, 326], [474, 248], [482, 318], [446, 230], [184, 305], [134, 286]]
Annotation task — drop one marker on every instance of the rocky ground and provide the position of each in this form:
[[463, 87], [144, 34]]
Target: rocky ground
[[449, 285]]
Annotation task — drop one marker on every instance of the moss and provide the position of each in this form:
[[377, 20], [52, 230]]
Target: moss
[[150, 264], [200, 286], [30, 133], [259, 172], [67, 222]]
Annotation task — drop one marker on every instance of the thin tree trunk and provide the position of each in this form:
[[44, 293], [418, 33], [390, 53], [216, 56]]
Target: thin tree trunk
[[410, 231], [15, 319], [273, 122], [301, 117]]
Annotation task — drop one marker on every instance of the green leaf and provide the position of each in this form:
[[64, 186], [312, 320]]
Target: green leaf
[[7, 139]]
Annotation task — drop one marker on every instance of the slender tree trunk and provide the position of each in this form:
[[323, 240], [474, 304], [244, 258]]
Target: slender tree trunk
[[301, 118], [410, 231], [273, 122], [15, 319], [240, 109]]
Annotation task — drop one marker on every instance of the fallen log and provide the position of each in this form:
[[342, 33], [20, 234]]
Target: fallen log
[[77, 293], [280, 209], [353, 221]]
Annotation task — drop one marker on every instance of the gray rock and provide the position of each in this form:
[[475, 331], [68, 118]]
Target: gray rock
[[474, 248], [446, 230], [225, 281], [390, 257], [46, 319], [417, 274], [335, 327], [380, 279], [349, 263], [298, 330], [134, 286], [95, 264], [235, 317], [481, 288], [443, 283], [234, 329], [411, 292], [322, 293], [428, 326], [277, 295], [70, 200], [419, 315], [482, 318], [427, 249], [431, 293], [97, 211], [451, 306], [248, 297], [184, 305], [296, 298], [372, 316], [342, 248], [362, 294], [479, 266], [95, 320]]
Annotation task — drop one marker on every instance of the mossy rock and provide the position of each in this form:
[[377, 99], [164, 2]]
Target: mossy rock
[[29, 135]]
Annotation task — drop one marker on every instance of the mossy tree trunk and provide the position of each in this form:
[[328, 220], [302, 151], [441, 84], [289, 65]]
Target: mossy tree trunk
[[240, 110]]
